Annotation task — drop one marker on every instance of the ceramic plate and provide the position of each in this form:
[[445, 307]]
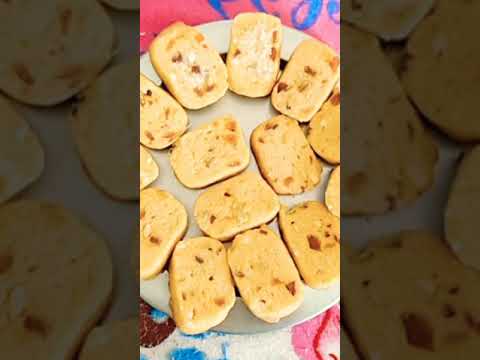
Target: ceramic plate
[[250, 113]]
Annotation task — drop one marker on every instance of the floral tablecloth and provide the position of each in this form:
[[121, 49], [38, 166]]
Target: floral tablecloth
[[316, 339]]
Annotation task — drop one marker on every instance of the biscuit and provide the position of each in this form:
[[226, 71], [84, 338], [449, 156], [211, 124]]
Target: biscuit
[[440, 67], [21, 154], [122, 4], [379, 116], [307, 80], [390, 20], [162, 119], [201, 286], [56, 280], [235, 205], [324, 129], [210, 153], [332, 194], [253, 60], [284, 156], [148, 168], [104, 126], [265, 274], [348, 351], [312, 235], [55, 49], [163, 222], [116, 340], [414, 290], [189, 66], [463, 207]]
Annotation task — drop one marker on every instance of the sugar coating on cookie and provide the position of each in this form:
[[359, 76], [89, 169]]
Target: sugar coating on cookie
[[162, 119], [210, 153], [163, 222], [380, 116], [118, 340], [56, 48], [332, 194], [389, 20], [21, 154], [148, 168], [201, 285], [235, 205], [307, 81], [312, 235], [324, 129], [440, 68], [265, 274], [56, 275], [463, 207], [285, 157], [413, 286], [103, 130], [253, 60], [191, 68]]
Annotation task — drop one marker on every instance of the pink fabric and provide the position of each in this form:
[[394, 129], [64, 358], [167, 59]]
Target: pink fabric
[[319, 338], [320, 18]]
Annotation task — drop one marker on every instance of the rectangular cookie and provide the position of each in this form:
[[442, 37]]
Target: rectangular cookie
[[190, 67], [235, 205], [210, 153], [162, 119], [163, 222], [253, 60], [285, 157], [312, 235], [265, 274], [201, 286], [307, 81]]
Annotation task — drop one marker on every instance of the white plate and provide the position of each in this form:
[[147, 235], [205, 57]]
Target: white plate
[[250, 113]]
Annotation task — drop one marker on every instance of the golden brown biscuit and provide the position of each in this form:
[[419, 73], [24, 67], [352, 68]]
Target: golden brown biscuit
[[235, 205], [332, 194], [284, 156], [306, 82], [191, 68], [265, 274], [56, 48], [201, 286], [253, 60], [162, 119], [163, 222], [56, 280], [312, 235], [210, 153]]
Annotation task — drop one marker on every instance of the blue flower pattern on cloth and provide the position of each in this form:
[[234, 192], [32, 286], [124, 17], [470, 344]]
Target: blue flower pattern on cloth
[[158, 316], [195, 354], [303, 16]]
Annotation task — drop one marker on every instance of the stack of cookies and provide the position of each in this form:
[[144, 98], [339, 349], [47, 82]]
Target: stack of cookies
[[238, 250]]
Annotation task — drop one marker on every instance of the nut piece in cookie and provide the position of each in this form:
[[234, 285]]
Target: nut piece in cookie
[[265, 274], [312, 235], [285, 157], [201, 285]]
